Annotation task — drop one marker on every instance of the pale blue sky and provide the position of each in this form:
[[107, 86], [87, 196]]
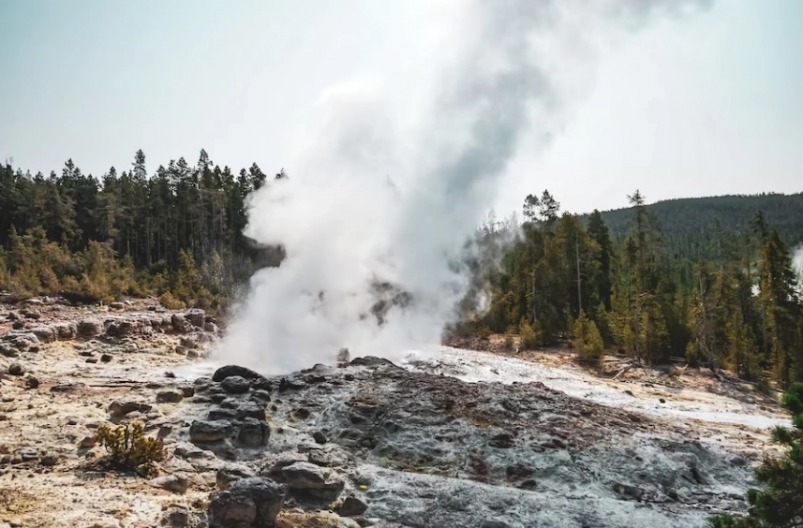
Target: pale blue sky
[[711, 104]]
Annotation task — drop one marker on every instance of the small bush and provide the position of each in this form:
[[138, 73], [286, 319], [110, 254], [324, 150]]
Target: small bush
[[484, 333], [508, 342], [587, 339], [169, 301], [129, 448], [529, 336]]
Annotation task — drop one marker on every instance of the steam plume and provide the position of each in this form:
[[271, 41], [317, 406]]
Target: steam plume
[[376, 213]]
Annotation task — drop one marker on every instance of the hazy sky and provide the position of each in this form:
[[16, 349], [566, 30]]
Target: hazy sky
[[710, 104]]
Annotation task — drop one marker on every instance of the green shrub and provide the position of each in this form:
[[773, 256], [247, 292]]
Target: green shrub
[[129, 448], [780, 503], [169, 301], [587, 339], [529, 336], [508, 342], [484, 333]]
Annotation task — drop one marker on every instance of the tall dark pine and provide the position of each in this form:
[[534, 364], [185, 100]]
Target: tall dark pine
[[599, 233]]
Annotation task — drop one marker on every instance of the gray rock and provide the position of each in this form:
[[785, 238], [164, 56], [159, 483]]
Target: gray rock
[[253, 433], [351, 507], [329, 455], [90, 328], [211, 328], [230, 403], [189, 451], [210, 431], [169, 396], [196, 317], [179, 323], [49, 460], [178, 517], [66, 330], [7, 350], [119, 409], [228, 415], [251, 502], [175, 483], [226, 476], [15, 369], [45, 334], [306, 476], [117, 305], [236, 385], [250, 409], [319, 437], [32, 382], [235, 370]]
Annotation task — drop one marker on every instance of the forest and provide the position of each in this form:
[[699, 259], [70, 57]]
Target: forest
[[736, 305], [176, 233], [661, 286]]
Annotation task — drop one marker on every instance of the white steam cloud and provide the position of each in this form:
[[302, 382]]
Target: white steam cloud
[[379, 210], [797, 266]]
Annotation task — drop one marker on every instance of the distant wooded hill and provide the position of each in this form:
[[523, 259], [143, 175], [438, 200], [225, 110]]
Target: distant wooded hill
[[696, 216]]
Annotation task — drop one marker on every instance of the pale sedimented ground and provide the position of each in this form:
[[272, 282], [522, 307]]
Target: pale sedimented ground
[[442, 438]]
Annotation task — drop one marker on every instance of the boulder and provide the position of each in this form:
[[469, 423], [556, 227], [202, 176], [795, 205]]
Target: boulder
[[211, 328], [90, 328], [371, 361], [45, 334], [196, 317], [127, 327], [22, 341], [117, 305], [175, 483], [226, 476], [119, 409], [228, 415], [7, 350], [236, 385], [15, 369], [169, 396], [205, 431], [179, 323], [306, 476], [250, 502], [250, 409], [253, 433], [351, 507], [32, 382], [235, 370], [66, 330]]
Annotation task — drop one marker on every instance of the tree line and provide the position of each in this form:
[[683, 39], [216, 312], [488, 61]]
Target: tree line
[[178, 233], [567, 278], [175, 230]]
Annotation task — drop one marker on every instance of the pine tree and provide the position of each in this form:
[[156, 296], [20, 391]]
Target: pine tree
[[780, 503], [782, 308]]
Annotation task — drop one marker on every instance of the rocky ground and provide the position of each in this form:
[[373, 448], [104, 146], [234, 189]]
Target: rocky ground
[[441, 438]]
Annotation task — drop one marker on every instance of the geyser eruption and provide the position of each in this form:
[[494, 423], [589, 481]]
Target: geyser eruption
[[376, 212]]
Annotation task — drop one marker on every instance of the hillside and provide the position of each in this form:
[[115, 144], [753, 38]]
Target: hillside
[[689, 216]]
